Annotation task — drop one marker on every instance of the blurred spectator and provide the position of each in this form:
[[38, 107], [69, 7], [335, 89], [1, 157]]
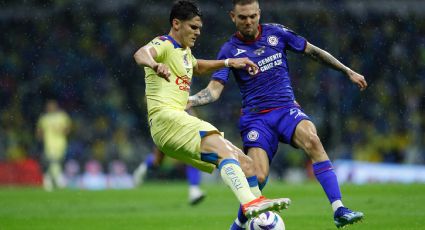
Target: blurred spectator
[[72, 174], [53, 128], [118, 177], [93, 177]]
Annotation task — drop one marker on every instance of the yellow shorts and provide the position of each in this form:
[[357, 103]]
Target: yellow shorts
[[178, 135]]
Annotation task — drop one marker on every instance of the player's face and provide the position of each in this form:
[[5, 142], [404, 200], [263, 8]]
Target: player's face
[[189, 31], [246, 18]]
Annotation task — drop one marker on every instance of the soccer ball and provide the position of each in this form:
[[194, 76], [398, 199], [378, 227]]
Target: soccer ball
[[268, 220]]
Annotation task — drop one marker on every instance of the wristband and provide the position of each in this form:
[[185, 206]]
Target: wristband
[[226, 62]]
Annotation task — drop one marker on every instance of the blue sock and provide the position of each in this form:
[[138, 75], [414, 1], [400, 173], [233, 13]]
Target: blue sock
[[263, 184], [326, 176], [149, 160], [241, 217], [193, 175], [252, 181]]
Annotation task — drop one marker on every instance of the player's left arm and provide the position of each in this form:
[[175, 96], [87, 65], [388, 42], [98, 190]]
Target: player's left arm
[[210, 94], [207, 66], [326, 58]]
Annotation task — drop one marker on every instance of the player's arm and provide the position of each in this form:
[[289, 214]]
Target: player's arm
[[210, 94], [326, 58], [145, 56], [207, 66]]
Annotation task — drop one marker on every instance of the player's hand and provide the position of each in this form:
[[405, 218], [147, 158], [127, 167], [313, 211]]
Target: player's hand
[[242, 63], [357, 79], [162, 71]]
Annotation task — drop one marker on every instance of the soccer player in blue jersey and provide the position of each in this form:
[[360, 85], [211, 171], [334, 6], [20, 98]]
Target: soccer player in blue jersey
[[269, 111]]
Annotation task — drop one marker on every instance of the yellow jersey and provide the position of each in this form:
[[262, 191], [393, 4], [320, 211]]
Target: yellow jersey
[[54, 127], [160, 93]]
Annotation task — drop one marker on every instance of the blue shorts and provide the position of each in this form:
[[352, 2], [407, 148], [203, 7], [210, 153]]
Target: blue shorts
[[266, 130]]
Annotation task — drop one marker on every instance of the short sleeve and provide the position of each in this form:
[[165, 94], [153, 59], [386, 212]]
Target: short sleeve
[[161, 47], [194, 61], [294, 41]]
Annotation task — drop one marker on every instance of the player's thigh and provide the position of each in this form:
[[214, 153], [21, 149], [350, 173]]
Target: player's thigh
[[178, 135], [260, 161], [306, 137], [303, 133]]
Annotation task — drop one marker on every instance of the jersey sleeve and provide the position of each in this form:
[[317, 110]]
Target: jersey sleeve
[[294, 41], [161, 47], [222, 75], [194, 61]]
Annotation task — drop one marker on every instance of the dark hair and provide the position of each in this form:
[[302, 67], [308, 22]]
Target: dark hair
[[243, 2], [184, 10]]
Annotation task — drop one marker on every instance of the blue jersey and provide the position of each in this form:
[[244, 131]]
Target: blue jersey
[[271, 87]]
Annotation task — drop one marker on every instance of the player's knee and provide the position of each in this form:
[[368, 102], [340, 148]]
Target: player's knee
[[312, 142]]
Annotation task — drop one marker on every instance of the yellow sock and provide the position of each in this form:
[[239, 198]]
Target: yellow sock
[[256, 191], [233, 176], [253, 185]]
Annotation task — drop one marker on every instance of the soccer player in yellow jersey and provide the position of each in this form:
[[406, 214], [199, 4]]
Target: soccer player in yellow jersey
[[53, 128], [169, 65]]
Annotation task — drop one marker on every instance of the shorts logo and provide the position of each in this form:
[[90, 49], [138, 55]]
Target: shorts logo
[[253, 135], [272, 40], [298, 113]]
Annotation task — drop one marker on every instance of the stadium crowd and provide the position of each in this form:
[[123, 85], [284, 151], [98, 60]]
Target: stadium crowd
[[82, 55]]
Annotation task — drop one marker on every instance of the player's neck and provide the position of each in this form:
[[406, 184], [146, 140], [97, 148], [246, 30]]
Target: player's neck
[[176, 38], [249, 39]]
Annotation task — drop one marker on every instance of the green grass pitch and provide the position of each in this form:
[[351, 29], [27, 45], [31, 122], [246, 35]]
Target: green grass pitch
[[163, 205]]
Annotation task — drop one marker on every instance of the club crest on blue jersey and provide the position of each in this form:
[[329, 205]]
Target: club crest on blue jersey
[[253, 135], [272, 40]]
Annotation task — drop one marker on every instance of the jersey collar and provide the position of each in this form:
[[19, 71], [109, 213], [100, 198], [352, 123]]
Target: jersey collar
[[175, 43], [240, 37]]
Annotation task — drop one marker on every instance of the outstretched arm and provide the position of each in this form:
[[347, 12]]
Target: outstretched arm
[[208, 66], [145, 56], [210, 94], [326, 58]]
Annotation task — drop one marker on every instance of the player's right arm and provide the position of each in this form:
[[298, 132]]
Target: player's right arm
[[210, 94], [145, 56], [326, 58]]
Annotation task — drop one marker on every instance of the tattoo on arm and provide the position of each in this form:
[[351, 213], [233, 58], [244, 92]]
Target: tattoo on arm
[[327, 59], [203, 97]]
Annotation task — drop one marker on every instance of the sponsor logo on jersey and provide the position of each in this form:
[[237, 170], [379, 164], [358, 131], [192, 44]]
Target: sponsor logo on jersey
[[270, 62], [253, 135], [239, 51], [260, 50], [183, 83]]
